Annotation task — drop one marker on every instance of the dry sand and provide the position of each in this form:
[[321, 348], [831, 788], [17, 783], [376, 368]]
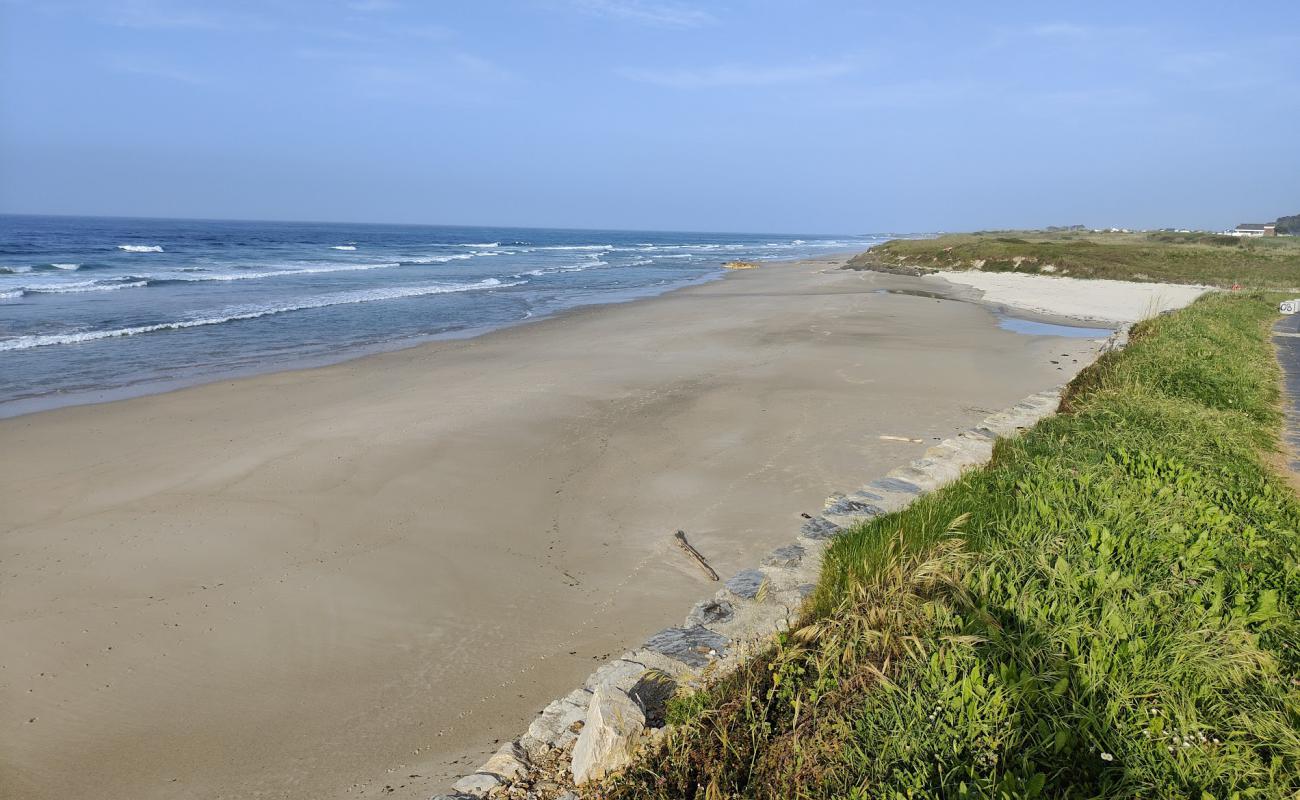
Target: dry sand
[[319, 583], [1098, 300]]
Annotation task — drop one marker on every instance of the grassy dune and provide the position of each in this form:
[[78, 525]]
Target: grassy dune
[[1109, 609], [1161, 257]]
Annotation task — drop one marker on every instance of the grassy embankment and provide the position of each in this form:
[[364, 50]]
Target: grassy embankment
[[1266, 263], [1108, 609]]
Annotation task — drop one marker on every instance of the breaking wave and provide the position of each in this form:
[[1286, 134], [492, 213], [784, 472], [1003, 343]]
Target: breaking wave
[[140, 248], [238, 313], [78, 288]]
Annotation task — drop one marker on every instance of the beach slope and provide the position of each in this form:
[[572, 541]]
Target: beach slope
[[353, 579]]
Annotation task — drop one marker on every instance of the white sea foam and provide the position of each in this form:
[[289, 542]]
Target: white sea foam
[[11, 294], [78, 288], [575, 247], [439, 259], [481, 244], [140, 248], [66, 266], [344, 247], [246, 276], [237, 313], [567, 268]]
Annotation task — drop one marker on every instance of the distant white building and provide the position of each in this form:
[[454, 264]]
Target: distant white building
[[1254, 229]]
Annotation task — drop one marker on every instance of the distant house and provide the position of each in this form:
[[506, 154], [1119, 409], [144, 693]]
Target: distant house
[[1254, 229]]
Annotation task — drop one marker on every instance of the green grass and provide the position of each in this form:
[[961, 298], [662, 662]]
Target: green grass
[[1161, 257], [1109, 609]]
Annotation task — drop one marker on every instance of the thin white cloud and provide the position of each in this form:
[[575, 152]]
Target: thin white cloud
[[176, 14], [739, 75], [136, 65], [668, 15], [1194, 62], [1061, 30]]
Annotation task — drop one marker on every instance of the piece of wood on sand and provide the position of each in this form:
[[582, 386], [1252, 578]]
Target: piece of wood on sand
[[680, 536]]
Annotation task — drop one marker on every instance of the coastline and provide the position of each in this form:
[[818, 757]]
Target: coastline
[[330, 499], [35, 405]]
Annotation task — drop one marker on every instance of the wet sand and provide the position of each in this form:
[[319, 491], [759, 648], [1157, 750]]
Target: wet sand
[[326, 582]]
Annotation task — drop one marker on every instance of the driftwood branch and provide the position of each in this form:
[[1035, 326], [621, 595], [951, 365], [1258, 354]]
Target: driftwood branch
[[680, 536]]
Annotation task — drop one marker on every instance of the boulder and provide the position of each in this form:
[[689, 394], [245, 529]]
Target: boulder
[[609, 739]]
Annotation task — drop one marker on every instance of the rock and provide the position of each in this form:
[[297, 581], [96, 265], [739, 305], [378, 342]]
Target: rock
[[707, 612], [552, 725], [788, 556], [621, 673], [819, 528], [477, 784], [746, 583], [694, 646], [806, 590], [847, 506], [652, 693], [608, 740], [568, 796], [510, 762], [896, 485], [456, 796]]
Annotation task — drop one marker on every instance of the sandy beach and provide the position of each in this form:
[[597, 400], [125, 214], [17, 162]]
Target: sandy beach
[[332, 582]]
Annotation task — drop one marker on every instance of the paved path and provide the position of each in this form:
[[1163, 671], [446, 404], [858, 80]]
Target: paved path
[[1286, 335]]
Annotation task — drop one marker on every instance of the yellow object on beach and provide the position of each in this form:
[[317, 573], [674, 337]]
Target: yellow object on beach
[[740, 265]]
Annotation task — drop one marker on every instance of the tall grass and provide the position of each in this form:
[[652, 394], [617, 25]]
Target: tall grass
[[1109, 609]]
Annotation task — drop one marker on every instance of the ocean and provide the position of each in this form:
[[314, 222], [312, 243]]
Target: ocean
[[98, 308]]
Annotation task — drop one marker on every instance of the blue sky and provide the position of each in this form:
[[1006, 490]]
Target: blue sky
[[750, 115]]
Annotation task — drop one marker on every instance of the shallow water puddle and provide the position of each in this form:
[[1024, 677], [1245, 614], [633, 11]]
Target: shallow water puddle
[[1031, 328]]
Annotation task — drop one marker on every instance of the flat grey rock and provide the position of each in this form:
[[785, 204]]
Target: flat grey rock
[[691, 646], [847, 506], [746, 583], [819, 528], [896, 485], [708, 612], [805, 590], [788, 556]]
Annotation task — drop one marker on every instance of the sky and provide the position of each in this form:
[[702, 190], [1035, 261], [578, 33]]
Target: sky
[[740, 115]]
